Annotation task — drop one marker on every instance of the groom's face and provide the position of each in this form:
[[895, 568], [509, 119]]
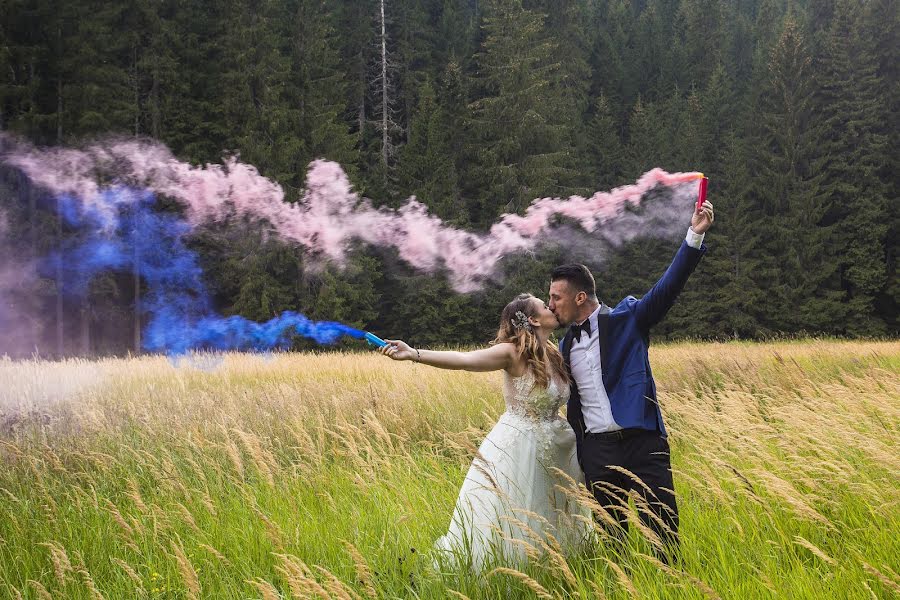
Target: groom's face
[[564, 301]]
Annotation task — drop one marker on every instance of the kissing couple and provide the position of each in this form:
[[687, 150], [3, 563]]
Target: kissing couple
[[612, 441]]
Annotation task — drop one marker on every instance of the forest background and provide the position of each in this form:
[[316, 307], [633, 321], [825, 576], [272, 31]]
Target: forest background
[[476, 108]]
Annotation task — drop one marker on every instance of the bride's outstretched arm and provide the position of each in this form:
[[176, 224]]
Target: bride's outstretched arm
[[494, 358]]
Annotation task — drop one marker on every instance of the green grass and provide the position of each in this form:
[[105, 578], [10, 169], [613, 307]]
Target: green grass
[[333, 474]]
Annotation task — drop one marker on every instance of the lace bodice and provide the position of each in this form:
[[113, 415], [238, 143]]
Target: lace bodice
[[525, 399]]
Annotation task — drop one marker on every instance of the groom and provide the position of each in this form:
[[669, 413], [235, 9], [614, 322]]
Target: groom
[[612, 406]]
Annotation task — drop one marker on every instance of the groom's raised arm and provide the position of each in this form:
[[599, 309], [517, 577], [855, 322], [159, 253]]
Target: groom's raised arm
[[650, 309]]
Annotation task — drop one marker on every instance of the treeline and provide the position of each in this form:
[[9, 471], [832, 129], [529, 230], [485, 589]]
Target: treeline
[[477, 108]]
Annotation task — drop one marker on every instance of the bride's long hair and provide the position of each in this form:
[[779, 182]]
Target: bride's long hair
[[544, 360]]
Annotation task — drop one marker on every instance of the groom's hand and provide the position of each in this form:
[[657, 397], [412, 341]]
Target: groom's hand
[[702, 218]]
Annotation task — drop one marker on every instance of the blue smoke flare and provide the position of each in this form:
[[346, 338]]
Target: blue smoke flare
[[182, 317]]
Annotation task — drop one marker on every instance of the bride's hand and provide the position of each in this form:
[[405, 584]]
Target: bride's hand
[[398, 350]]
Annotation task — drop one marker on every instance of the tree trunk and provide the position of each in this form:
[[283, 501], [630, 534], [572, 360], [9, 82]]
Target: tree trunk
[[60, 345], [136, 89], [384, 96], [32, 194], [85, 326], [361, 116], [154, 100], [32, 212], [136, 267], [137, 299]]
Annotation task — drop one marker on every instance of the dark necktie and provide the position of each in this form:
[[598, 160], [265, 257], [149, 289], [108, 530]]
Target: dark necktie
[[577, 329]]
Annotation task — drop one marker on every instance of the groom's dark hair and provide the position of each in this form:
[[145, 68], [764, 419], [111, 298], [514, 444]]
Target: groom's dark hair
[[578, 276]]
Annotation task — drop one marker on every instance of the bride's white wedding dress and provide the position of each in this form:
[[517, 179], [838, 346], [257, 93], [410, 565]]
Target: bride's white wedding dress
[[511, 493]]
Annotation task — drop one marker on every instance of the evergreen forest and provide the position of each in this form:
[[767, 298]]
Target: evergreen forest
[[477, 107]]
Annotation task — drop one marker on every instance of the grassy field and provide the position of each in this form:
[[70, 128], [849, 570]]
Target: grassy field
[[331, 475]]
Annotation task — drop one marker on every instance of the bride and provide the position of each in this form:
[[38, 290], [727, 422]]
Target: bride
[[513, 498]]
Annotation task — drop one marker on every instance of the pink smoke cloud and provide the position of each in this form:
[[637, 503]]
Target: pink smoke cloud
[[329, 215]]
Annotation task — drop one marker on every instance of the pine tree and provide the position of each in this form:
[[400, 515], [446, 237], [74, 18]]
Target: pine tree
[[523, 132], [610, 33], [731, 287], [348, 293], [321, 91], [881, 25], [566, 25], [454, 103], [854, 146], [356, 24], [94, 67], [767, 28], [700, 27], [720, 118], [23, 59], [265, 274], [427, 168], [257, 95], [738, 45], [646, 147], [604, 147], [456, 37], [189, 66], [425, 310], [657, 61], [415, 48], [801, 243], [685, 131]]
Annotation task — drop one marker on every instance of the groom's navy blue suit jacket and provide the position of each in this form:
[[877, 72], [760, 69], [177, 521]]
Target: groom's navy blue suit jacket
[[623, 342]]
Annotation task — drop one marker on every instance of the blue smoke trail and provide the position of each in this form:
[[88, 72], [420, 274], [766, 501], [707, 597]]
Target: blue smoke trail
[[181, 315]]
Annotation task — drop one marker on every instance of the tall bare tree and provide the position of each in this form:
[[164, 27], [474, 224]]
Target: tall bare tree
[[384, 79], [60, 345]]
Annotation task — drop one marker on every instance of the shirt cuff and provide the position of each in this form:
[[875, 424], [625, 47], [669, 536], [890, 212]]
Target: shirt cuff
[[694, 240]]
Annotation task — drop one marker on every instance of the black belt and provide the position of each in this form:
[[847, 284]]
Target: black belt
[[619, 434]]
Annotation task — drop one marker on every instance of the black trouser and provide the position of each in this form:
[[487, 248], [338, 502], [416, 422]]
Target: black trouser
[[645, 454]]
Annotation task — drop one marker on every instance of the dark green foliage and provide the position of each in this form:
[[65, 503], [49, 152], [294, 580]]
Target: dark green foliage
[[647, 144], [801, 241], [855, 151], [426, 311], [790, 108], [427, 161], [349, 294], [522, 118], [604, 147]]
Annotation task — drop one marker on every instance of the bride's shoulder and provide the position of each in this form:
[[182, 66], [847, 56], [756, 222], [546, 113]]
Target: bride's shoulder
[[517, 367], [506, 347]]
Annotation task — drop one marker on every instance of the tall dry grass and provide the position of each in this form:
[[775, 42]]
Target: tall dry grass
[[330, 475]]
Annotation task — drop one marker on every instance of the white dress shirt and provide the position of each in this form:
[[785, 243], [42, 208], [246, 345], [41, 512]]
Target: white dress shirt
[[584, 359]]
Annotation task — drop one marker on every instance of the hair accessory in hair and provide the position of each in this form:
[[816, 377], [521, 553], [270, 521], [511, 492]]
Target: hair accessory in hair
[[520, 321]]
